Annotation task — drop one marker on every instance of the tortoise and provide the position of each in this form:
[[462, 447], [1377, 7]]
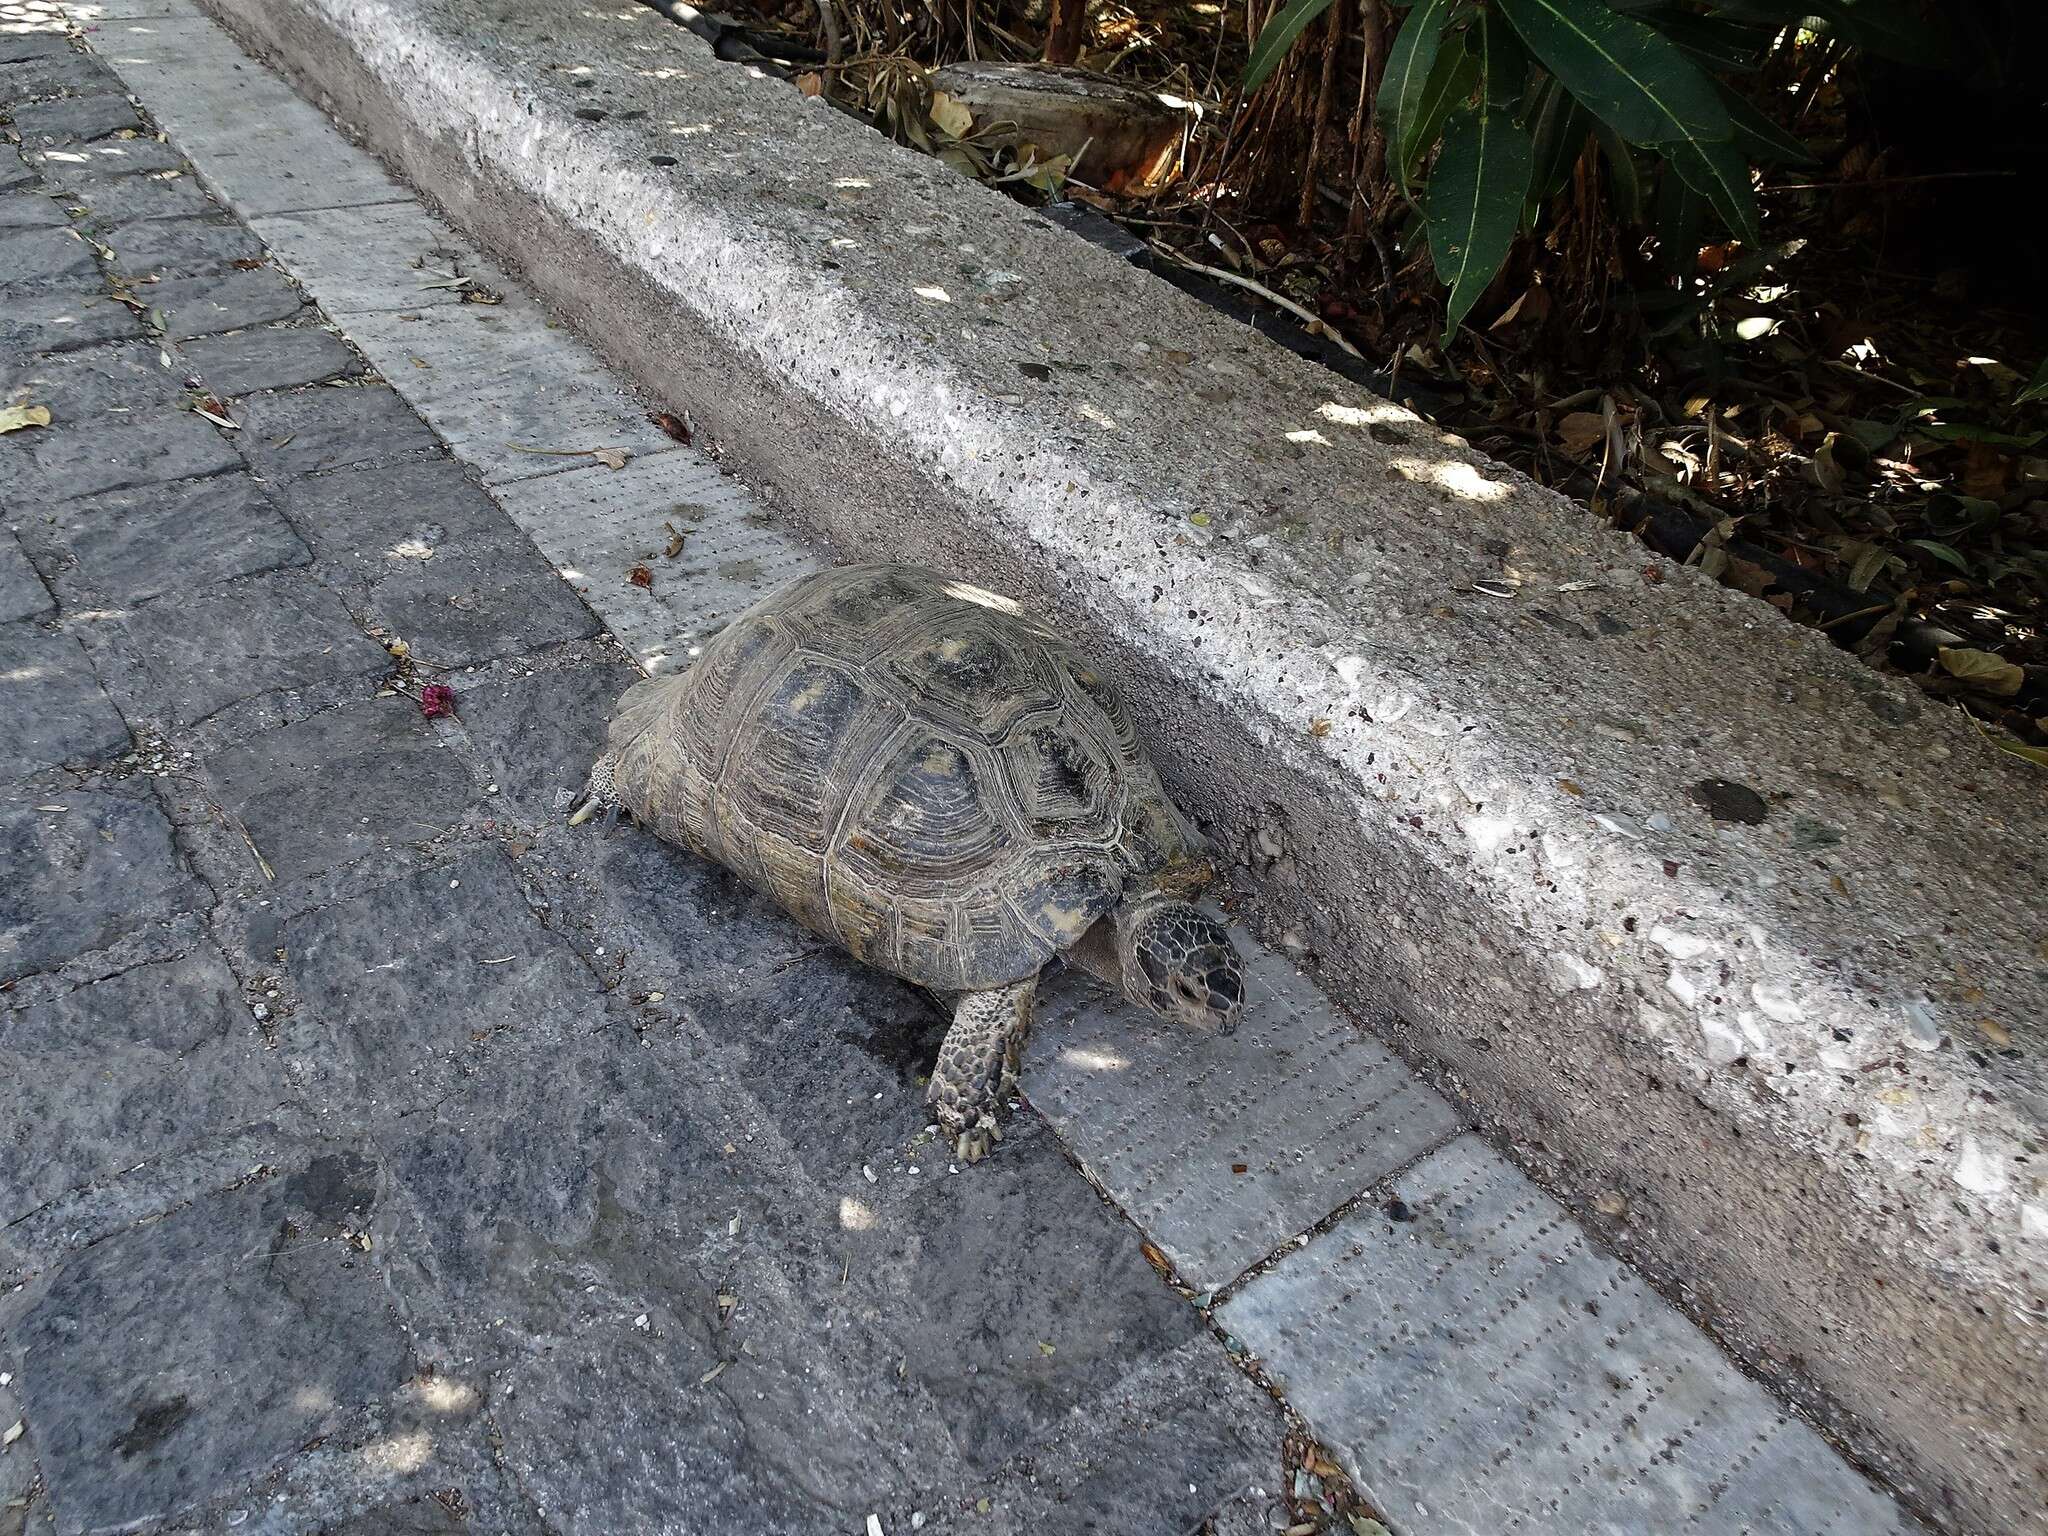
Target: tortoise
[[915, 769]]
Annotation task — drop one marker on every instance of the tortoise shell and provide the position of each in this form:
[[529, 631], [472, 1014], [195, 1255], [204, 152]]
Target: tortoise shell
[[909, 766]]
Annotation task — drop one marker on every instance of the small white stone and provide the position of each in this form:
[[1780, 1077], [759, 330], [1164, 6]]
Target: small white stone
[[640, 1321], [1777, 1004], [1978, 1171], [1682, 987], [867, 1173], [1923, 1029], [1569, 973], [1679, 945]]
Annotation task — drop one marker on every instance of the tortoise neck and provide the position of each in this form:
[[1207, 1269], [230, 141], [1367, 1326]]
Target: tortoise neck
[[1097, 953]]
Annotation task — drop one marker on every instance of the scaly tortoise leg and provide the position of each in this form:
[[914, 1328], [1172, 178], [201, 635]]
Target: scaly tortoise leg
[[978, 1064]]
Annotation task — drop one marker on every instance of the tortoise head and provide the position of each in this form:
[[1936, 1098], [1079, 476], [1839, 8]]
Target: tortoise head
[[1179, 963], [600, 795]]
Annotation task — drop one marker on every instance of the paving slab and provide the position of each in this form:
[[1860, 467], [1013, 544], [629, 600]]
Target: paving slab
[[55, 71], [81, 164], [400, 253], [223, 301], [477, 600], [1442, 1343], [85, 385], [1224, 1149], [73, 120], [109, 201], [270, 357], [325, 791], [234, 640], [534, 728], [283, 1333], [306, 432], [134, 545], [124, 1072], [434, 975], [34, 257], [22, 593], [181, 247], [516, 399], [366, 519], [83, 877], [56, 319], [62, 461], [599, 525], [56, 711], [31, 210], [14, 171]]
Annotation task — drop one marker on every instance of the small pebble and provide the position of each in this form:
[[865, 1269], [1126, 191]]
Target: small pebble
[[867, 1173]]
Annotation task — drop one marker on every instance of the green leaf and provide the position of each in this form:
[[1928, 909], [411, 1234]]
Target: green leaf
[[1719, 174], [1680, 216], [1506, 65], [1719, 42], [1622, 71], [1416, 94], [1559, 127], [1760, 138], [1451, 80], [1624, 176], [1277, 37], [1475, 202], [2037, 387], [1942, 551]]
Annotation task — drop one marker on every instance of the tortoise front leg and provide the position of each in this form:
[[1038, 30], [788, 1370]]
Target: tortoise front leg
[[978, 1064]]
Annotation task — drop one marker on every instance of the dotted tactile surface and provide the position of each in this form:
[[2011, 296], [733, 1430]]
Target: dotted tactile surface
[[1223, 1149], [599, 526], [1484, 1370]]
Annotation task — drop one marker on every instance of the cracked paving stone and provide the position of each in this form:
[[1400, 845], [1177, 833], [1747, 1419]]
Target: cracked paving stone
[[309, 431], [68, 168], [436, 974], [31, 210], [73, 120], [540, 734], [180, 247], [1016, 1294], [235, 640], [225, 301], [479, 600], [113, 200], [370, 519], [56, 72], [54, 319], [270, 358], [264, 1327], [22, 593], [96, 383], [14, 171], [35, 257], [62, 461], [323, 792], [127, 1070], [134, 545], [52, 702], [80, 878]]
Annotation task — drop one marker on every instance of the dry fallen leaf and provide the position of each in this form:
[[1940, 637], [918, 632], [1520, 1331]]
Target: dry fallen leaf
[[950, 116], [14, 417], [611, 458], [640, 576], [1581, 432], [1319, 727], [674, 426], [1982, 669], [675, 540]]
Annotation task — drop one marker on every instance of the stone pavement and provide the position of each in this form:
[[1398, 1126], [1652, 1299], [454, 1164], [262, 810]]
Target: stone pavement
[[392, 1158], [379, 1155]]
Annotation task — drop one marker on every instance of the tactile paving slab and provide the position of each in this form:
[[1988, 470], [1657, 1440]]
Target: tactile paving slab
[[1223, 1149], [1483, 1369], [598, 525]]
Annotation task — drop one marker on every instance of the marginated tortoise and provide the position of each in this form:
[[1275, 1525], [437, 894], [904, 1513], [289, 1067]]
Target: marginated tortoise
[[918, 771]]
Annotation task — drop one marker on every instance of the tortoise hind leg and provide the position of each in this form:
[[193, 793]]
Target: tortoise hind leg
[[978, 1063]]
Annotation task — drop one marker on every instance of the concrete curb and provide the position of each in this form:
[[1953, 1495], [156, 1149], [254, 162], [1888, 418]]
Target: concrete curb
[[1692, 908]]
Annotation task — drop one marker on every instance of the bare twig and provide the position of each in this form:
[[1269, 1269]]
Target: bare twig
[[1223, 275]]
